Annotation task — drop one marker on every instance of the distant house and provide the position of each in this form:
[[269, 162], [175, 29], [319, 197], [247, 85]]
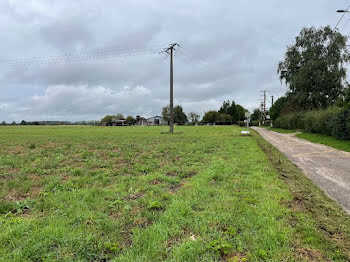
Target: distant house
[[140, 121], [119, 122], [156, 120], [115, 122]]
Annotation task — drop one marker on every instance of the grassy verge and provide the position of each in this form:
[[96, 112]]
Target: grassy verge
[[134, 194], [280, 130], [326, 140], [316, 218]]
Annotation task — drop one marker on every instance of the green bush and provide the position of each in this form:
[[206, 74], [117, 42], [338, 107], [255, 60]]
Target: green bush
[[333, 121], [340, 124], [254, 123], [320, 121], [241, 123], [290, 121], [267, 123]]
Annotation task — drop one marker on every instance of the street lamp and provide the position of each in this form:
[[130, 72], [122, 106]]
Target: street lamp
[[343, 11]]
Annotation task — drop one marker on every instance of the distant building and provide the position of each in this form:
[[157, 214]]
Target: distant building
[[140, 121], [115, 122], [119, 122], [156, 120]]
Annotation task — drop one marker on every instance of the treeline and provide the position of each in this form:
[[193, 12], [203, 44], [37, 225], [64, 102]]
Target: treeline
[[51, 123], [318, 97], [228, 114]]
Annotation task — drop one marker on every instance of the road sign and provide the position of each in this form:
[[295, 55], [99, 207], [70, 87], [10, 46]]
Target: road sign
[[247, 114]]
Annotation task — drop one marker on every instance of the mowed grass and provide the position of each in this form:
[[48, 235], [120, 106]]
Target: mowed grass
[[134, 194], [326, 140], [280, 130]]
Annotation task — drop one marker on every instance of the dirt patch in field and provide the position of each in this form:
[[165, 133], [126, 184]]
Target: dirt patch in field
[[134, 197], [175, 188], [156, 181], [15, 196], [235, 257], [309, 255]]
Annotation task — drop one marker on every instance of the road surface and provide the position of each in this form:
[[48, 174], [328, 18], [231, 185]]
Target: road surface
[[327, 167]]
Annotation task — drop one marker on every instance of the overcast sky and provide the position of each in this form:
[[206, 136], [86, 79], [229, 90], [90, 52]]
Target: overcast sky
[[230, 50]]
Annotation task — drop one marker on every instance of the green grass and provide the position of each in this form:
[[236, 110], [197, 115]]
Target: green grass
[[280, 130], [134, 194], [326, 140]]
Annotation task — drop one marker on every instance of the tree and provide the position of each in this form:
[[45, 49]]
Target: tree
[[194, 117], [14, 123], [240, 113], [211, 117], [225, 108], [23, 123], [107, 119], [130, 120], [314, 68], [119, 116], [3, 123], [224, 119], [277, 108], [256, 114], [166, 113], [179, 115]]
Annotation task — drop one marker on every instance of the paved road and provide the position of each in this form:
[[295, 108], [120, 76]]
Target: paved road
[[327, 167]]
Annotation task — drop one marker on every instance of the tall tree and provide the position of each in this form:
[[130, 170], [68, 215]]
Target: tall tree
[[211, 117], [179, 115], [256, 114], [130, 120], [240, 113], [166, 113], [194, 117], [278, 106], [107, 119], [314, 68], [119, 116]]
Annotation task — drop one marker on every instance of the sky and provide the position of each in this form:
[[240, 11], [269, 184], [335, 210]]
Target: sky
[[229, 50]]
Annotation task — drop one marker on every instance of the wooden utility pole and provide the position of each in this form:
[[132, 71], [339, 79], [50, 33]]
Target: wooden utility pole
[[270, 111], [170, 51]]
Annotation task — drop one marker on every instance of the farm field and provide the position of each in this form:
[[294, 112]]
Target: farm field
[[74, 193]]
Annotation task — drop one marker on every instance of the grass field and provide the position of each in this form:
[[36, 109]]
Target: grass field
[[134, 194], [326, 140]]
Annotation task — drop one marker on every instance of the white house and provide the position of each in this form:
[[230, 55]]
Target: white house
[[156, 120]]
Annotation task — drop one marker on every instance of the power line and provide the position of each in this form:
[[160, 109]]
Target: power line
[[347, 22], [341, 18], [80, 56]]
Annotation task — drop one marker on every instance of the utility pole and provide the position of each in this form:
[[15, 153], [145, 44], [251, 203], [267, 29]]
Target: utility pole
[[170, 51], [270, 111], [264, 106]]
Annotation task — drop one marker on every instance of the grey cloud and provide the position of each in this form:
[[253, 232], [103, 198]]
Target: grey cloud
[[230, 50]]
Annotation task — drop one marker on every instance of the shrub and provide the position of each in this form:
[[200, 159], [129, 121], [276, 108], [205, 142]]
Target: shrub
[[340, 124], [320, 121], [267, 123], [290, 121], [241, 123], [254, 123]]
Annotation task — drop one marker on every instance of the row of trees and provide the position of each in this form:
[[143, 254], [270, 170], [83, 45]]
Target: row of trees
[[318, 97], [229, 113], [314, 71], [110, 118]]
